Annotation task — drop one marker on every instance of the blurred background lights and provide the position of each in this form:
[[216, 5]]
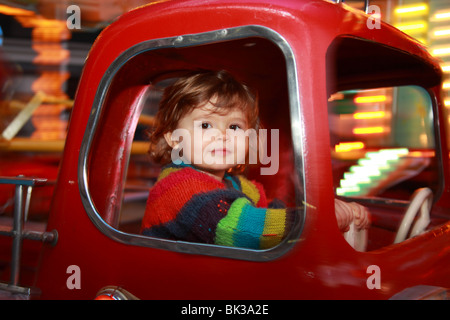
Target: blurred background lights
[[374, 166]]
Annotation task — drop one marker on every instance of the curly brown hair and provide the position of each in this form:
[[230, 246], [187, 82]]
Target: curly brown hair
[[195, 90]]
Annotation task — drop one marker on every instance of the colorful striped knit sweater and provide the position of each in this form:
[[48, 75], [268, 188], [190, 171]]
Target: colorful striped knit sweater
[[190, 205]]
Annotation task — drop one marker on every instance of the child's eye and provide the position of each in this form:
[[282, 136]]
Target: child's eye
[[235, 127], [206, 125]]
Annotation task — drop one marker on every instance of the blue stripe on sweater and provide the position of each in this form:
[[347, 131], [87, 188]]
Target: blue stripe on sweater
[[250, 226]]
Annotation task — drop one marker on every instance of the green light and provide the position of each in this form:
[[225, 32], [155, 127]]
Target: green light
[[369, 170]]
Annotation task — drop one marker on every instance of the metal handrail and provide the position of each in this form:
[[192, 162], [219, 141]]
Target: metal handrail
[[20, 215]]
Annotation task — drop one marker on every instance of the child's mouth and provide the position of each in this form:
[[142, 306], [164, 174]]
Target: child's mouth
[[220, 152]]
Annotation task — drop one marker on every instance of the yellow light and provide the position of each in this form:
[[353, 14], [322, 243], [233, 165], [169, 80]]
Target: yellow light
[[370, 99], [369, 115], [421, 40], [416, 9], [447, 102], [348, 146], [442, 15], [446, 68], [368, 130], [412, 27], [441, 32], [446, 85], [441, 51]]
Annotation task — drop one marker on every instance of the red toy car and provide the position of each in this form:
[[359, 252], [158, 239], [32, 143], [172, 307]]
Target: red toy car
[[360, 117]]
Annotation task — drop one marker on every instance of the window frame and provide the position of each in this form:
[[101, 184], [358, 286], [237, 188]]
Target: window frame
[[180, 41]]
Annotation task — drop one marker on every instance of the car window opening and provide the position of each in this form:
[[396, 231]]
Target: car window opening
[[383, 141], [255, 61]]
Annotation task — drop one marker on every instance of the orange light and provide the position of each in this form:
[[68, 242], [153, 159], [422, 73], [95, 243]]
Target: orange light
[[348, 146], [47, 35], [421, 154], [51, 83], [15, 11], [370, 99], [368, 130], [50, 54], [369, 115]]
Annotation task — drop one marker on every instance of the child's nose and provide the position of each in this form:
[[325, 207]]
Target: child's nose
[[222, 134]]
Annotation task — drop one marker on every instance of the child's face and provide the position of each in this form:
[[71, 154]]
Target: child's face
[[214, 142]]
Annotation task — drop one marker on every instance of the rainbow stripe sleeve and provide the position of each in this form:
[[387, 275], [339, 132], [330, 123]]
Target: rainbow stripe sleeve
[[247, 226]]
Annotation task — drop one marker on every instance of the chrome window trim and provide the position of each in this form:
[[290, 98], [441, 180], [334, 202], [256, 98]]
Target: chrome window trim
[[185, 41]]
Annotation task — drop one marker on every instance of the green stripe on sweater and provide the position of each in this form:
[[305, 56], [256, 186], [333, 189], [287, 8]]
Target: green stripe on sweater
[[227, 227]]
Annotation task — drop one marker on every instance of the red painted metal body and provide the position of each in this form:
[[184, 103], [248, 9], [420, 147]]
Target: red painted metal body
[[321, 264]]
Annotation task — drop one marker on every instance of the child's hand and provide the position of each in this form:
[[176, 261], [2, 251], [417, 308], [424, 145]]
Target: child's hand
[[346, 213]]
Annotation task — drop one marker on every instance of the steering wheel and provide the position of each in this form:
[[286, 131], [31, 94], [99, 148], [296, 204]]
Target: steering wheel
[[356, 238], [421, 200]]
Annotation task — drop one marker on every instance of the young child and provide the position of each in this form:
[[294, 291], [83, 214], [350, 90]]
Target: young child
[[195, 197]]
